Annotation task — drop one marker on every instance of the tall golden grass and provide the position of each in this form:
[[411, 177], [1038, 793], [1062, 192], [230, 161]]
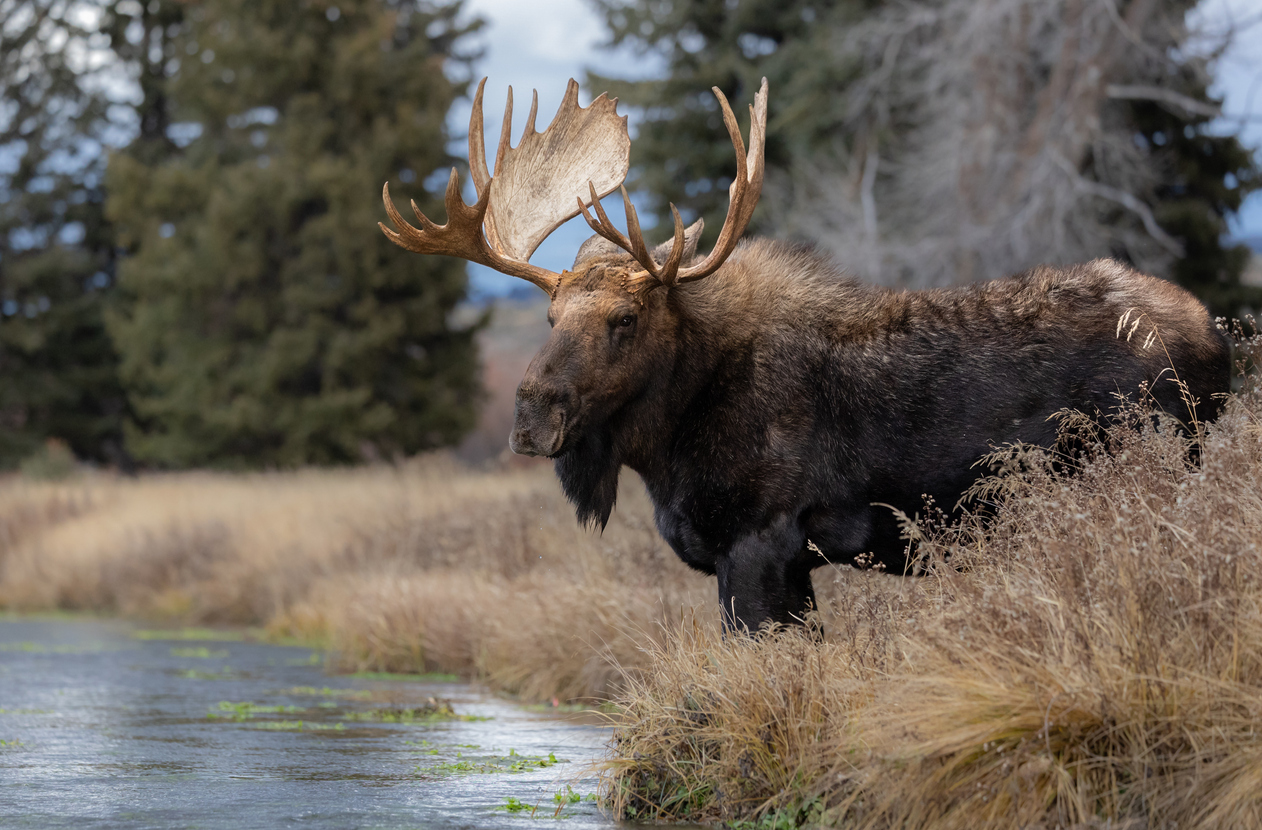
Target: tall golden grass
[[1091, 655], [429, 566]]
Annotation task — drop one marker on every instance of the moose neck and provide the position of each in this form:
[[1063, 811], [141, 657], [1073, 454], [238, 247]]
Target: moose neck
[[704, 336]]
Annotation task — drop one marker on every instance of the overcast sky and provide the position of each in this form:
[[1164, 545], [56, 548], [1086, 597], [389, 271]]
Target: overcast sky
[[542, 43]]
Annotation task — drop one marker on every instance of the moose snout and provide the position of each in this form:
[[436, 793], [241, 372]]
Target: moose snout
[[540, 419]]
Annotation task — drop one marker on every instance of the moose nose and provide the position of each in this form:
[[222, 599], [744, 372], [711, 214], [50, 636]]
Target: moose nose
[[540, 419]]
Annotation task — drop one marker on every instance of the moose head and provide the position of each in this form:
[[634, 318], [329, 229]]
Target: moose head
[[611, 319]]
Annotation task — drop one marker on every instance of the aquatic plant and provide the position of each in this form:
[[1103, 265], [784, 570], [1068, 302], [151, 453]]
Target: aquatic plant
[[312, 691], [200, 652], [489, 764], [246, 710]]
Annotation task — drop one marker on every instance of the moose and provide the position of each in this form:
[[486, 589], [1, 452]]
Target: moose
[[774, 407]]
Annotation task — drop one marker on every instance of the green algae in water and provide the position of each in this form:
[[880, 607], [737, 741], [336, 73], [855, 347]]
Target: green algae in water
[[246, 711], [432, 711], [313, 659], [200, 652], [562, 799], [516, 805], [226, 673], [490, 764], [428, 712], [298, 726], [312, 691]]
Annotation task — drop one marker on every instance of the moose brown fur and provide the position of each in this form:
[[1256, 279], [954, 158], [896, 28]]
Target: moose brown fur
[[780, 402], [777, 408]]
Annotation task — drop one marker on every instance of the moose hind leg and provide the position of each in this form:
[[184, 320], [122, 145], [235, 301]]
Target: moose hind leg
[[765, 579]]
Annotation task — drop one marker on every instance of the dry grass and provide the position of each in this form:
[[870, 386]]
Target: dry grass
[[426, 567], [1091, 656]]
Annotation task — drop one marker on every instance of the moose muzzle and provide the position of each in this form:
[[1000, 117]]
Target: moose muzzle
[[540, 419]]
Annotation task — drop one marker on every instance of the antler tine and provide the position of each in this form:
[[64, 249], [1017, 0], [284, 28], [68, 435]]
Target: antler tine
[[534, 110], [477, 144], [634, 245], [601, 223], [506, 129], [527, 198], [670, 268], [639, 250], [461, 236], [477, 162], [745, 189]]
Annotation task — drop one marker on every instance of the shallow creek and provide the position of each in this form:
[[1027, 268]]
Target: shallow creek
[[104, 725]]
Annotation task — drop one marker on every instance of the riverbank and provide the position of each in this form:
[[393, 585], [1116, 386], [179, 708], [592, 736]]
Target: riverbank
[[425, 567]]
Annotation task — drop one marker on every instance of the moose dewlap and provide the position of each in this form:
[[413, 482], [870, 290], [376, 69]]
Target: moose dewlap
[[774, 407]]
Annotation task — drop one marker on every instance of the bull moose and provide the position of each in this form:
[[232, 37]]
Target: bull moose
[[773, 406]]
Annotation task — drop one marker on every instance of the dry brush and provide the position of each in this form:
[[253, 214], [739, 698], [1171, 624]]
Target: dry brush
[[1090, 654]]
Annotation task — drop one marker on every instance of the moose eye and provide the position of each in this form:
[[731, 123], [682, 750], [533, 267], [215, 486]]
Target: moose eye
[[626, 320]]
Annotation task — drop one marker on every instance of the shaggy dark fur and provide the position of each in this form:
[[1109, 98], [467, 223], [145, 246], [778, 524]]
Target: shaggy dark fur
[[778, 402]]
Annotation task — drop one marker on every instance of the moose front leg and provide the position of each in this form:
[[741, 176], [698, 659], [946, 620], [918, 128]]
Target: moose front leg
[[766, 577]]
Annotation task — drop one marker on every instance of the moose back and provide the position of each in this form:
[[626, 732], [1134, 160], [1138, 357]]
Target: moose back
[[774, 407]]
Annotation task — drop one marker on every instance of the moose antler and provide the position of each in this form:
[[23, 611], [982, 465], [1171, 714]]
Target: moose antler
[[743, 198], [583, 149]]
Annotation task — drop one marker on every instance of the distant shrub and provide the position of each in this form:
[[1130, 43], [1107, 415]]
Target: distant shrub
[[52, 462]]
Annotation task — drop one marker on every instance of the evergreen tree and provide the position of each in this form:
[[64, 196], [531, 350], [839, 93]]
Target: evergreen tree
[[268, 321], [681, 155], [142, 37], [58, 374], [1206, 177]]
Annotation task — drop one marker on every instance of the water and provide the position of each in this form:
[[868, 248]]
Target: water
[[102, 728]]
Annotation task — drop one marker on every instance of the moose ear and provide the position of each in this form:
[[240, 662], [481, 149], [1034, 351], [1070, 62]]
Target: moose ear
[[597, 246], [692, 235]]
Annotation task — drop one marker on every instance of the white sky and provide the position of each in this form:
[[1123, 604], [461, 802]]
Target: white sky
[[542, 43]]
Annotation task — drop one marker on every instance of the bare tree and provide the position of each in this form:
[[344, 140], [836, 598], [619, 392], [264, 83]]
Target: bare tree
[[985, 136]]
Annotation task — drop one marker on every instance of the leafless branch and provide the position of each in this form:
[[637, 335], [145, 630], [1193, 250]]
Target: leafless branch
[[998, 149], [1141, 92], [1126, 200]]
